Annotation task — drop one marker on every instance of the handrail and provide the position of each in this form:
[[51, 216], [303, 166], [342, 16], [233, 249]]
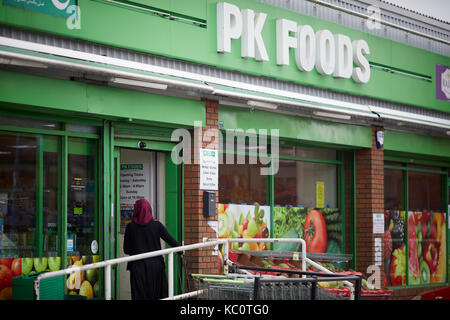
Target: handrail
[[107, 265], [170, 251]]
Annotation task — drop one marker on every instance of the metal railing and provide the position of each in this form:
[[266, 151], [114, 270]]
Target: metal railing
[[170, 251]]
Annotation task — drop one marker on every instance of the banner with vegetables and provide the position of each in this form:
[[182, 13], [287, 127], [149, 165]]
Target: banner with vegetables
[[244, 221], [423, 241], [395, 248], [427, 247], [320, 228]]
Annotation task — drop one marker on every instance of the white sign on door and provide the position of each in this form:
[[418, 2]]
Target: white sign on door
[[209, 169], [134, 185]]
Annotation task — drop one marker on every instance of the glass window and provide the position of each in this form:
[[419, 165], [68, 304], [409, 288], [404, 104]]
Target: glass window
[[418, 234], [50, 198], [393, 198], [306, 202], [18, 182], [242, 183], [425, 191], [298, 183], [81, 204], [426, 229], [395, 228]]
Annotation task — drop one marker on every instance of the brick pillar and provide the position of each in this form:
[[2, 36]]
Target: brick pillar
[[369, 200], [195, 223]]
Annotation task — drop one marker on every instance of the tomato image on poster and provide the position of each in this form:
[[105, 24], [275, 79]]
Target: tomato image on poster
[[320, 228]]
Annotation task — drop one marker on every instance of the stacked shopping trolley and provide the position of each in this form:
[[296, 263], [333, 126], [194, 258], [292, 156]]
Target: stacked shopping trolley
[[246, 286]]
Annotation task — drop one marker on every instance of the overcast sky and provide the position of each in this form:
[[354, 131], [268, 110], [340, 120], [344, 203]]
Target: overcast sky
[[439, 9]]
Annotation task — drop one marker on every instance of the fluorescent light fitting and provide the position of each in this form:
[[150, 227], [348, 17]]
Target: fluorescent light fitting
[[332, 115], [138, 83], [262, 104], [232, 103], [22, 63]]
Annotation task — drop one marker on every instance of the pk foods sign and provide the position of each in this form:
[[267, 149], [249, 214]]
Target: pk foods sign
[[328, 53]]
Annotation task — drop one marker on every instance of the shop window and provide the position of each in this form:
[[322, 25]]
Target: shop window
[[414, 240], [395, 228], [81, 202], [427, 261], [306, 202], [242, 183], [393, 189], [50, 193], [18, 181], [425, 191]]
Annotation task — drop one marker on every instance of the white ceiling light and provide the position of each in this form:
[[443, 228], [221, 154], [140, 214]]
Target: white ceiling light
[[22, 63], [332, 115], [137, 83], [232, 103], [261, 104]]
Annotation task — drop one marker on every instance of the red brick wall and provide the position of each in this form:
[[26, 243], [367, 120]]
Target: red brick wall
[[369, 200], [195, 223]]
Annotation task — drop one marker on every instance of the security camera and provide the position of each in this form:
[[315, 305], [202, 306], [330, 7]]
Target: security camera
[[142, 144]]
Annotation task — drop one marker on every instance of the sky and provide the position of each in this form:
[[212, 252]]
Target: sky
[[439, 9]]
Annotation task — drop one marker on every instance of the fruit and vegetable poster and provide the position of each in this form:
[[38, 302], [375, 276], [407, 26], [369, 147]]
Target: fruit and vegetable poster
[[421, 235], [320, 228], [85, 283], [244, 221]]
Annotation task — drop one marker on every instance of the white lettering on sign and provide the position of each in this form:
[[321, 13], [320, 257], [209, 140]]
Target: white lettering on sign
[[330, 54]]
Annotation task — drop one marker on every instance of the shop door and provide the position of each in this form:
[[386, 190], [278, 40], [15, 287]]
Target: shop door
[[82, 237], [143, 174]]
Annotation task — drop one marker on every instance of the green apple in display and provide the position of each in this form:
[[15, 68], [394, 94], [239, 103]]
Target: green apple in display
[[54, 263], [97, 289], [27, 265], [92, 275], [40, 264], [86, 259]]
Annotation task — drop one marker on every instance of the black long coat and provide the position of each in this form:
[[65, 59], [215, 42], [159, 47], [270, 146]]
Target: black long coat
[[147, 277]]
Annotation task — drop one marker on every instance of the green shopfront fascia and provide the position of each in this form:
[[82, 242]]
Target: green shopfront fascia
[[68, 148]]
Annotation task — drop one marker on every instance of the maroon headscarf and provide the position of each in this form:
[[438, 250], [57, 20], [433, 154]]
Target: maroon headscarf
[[142, 214]]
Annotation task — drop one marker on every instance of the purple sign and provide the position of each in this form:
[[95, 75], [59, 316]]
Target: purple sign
[[442, 82]]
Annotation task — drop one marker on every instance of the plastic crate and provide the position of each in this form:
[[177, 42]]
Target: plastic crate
[[49, 289]]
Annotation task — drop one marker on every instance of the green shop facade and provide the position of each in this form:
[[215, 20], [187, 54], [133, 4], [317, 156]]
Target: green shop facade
[[347, 124]]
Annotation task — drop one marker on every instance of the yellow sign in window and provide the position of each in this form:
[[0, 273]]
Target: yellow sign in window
[[320, 194]]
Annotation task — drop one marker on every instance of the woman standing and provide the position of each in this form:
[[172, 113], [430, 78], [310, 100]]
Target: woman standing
[[147, 277]]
